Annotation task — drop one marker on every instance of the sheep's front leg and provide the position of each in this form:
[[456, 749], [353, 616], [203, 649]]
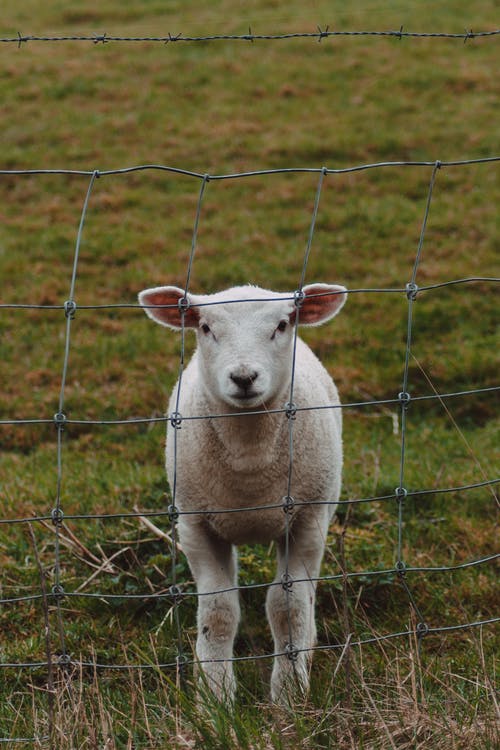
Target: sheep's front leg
[[214, 567], [290, 607]]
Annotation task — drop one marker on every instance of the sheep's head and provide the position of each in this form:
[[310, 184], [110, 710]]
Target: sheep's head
[[245, 334]]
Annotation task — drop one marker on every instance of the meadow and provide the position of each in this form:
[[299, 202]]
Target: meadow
[[229, 107]]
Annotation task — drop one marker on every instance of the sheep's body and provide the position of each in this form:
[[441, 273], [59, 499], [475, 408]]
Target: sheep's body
[[226, 462], [252, 455]]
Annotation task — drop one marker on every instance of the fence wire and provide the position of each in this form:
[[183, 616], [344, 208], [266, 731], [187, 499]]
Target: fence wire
[[104, 38], [175, 592]]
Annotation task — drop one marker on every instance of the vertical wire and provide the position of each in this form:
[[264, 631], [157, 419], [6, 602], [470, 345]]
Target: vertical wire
[[60, 421], [437, 167], [404, 399], [299, 293], [194, 239], [288, 502], [94, 176], [69, 305], [312, 227], [176, 422]]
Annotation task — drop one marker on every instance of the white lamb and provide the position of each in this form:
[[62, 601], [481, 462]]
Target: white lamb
[[243, 364]]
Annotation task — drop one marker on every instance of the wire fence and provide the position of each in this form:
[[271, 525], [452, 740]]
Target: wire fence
[[53, 598]]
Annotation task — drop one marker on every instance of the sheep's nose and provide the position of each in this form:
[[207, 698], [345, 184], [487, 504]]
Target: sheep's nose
[[244, 381]]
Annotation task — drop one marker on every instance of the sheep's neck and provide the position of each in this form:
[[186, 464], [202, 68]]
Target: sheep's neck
[[252, 441]]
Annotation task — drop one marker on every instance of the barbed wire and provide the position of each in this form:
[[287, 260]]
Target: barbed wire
[[402, 571], [104, 38]]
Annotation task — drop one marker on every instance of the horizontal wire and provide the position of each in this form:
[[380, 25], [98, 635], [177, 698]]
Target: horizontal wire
[[167, 594], [212, 303], [254, 173], [256, 508], [131, 421], [257, 657]]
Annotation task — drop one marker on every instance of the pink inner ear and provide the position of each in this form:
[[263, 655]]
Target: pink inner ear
[[171, 315], [320, 303]]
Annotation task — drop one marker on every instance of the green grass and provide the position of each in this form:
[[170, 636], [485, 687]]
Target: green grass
[[219, 108]]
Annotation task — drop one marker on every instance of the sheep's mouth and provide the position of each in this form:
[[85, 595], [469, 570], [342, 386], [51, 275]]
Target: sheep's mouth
[[246, 396], [250, 397]]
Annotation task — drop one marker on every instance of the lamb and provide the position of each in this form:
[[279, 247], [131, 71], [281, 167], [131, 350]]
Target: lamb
[[240, 379]]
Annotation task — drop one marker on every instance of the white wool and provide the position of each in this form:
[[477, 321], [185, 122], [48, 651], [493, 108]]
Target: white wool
[[243, 365]]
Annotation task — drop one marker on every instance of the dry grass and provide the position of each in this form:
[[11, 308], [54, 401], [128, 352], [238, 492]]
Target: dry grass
[[406, 707]]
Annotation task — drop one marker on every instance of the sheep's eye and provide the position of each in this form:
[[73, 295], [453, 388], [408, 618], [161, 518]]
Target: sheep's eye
[[279, 328], [205, 328]]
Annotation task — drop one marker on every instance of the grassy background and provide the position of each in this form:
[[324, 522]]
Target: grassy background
[[224, 107]]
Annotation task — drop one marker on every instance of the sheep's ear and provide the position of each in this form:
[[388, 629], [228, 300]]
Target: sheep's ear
[[161, 304], [321, 302]]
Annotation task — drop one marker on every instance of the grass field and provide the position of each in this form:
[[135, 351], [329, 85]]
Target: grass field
[[225, 107]]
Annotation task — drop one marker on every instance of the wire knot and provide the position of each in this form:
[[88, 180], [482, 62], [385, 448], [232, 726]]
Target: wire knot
[[401, 568], [70, 308], [401, 493], [298, 297], [176, 420], [404, 399], [422, 629], [290, 410], [411, 290], [292, 652], [60, 420], [181, 661], [58, 592], [183, 304], [57, 516], [173, 513], [286, 582], [288, 504], [175, 593]]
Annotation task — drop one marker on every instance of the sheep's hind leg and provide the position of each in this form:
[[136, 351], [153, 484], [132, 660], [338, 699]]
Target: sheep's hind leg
[[290, 610], [214, 567]]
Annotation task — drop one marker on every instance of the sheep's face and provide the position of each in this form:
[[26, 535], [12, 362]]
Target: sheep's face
[[245, 335], [245, 351]]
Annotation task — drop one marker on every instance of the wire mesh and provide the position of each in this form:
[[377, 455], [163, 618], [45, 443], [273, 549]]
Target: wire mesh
[[175, 593]]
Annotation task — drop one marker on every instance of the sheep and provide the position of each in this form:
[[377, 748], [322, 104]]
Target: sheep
[[238, 456]]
